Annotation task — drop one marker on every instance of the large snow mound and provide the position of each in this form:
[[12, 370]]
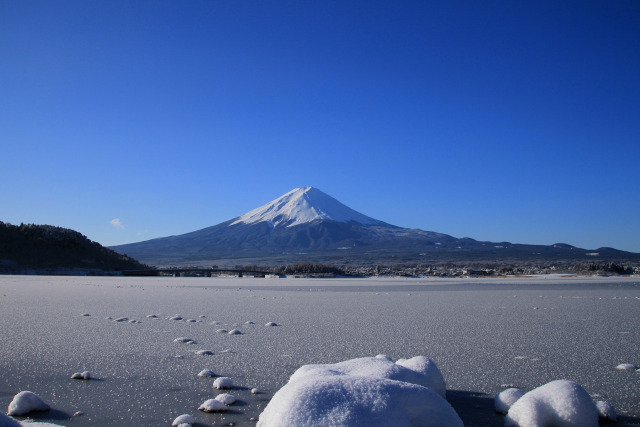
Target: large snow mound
[[25, 402], [371, 391], [559, 403], [300, 206]]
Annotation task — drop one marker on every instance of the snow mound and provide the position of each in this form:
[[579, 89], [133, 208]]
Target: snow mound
[[360, 392], [301, 206], [271, 324], [430, 374], [506, 398], [184, 419], [227, 399], [86, 375], [606, 411], [207, 373], [204, 353], [184, 340], [559, 403], [235, 332], [222, 383], [25, 402]]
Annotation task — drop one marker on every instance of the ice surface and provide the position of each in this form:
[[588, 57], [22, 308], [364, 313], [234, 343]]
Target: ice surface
[[370, 391], [560, 403], [473, 330], [25, 402]]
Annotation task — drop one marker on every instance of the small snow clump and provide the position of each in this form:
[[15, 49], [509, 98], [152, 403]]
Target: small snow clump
[[25, 402], [271, 324], [184, 340], [184, 419], [559, 403], [626, 367], [204, 352], [606, 412], [222, 383], [234, 332], [212, 405], [86, 375], [207, 373], [506, 398]]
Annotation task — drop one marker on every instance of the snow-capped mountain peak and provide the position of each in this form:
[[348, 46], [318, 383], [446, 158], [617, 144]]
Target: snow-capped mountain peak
[[301, 206]]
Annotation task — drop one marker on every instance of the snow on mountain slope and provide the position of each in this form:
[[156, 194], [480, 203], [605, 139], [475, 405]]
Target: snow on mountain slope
[[301, 206]]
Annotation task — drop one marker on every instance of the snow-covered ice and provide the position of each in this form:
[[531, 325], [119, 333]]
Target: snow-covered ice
[[560, 403], [370, 391], [25, 402], [473, 329]]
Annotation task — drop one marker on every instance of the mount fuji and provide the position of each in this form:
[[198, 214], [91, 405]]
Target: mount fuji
[[308, 225]]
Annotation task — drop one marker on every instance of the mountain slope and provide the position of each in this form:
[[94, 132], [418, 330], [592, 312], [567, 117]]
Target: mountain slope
[[37, 247], [308, 225]]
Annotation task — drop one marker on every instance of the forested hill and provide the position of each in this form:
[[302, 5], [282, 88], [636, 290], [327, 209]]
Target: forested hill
[[45, 247]]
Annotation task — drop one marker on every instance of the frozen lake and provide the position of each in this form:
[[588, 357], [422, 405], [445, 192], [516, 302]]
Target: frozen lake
[[484, 334]]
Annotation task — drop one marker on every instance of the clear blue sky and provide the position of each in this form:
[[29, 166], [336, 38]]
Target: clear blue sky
[[496, 120]]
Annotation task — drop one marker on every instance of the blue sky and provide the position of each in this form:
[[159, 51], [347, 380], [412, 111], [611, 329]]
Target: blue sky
[[498, 120]]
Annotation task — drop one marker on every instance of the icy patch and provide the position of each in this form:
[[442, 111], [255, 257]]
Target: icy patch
[[223, 383], [606, 411], [227, 399], [213, 405], [183, 419], [206, 373], [506, 398], [361, 392], [559, 403], [25, 402], [86, 375]]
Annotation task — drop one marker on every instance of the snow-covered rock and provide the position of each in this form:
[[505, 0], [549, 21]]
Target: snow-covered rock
[[212, 405], [360, 392], [606, 412], [430, 374], [222, 383], [227, 399], [626, 367], [184, 419], [206, 373], [506, 398], [25, 402], [86, 375], [559, 403]]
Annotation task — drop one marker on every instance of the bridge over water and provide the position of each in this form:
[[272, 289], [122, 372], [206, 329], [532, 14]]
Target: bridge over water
[[207, 272]]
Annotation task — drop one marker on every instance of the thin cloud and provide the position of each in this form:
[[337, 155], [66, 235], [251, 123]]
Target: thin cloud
[[117, 224]]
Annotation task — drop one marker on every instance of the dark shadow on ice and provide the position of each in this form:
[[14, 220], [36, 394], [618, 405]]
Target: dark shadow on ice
[[623, 421], [474, 408], [47, 416]]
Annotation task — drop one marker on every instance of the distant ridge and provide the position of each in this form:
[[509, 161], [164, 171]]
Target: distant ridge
[[307, 225], [30, 247]]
